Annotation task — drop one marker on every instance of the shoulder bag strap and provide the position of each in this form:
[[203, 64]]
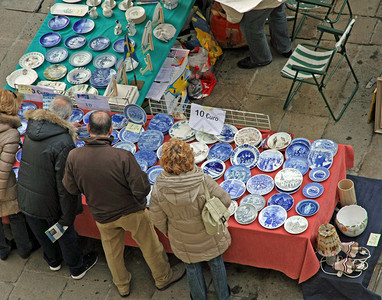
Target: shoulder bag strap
[[206, 192]]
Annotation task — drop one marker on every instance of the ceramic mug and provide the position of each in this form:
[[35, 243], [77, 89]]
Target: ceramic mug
[[346, 192]]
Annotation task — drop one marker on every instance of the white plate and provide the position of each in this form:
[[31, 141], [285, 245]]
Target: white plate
[[296, 224], [182, 130], [233, 207], [164, 32], [75, 10], [279, 140], [81, 89], [79, 75], [200, 151], [288, 179], [22, 76], [80, 58], [205, 137], [248, 135], [31, 60], [136, 13]]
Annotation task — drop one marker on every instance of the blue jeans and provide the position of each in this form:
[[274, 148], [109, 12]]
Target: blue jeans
[[198, 285], [252, 26]]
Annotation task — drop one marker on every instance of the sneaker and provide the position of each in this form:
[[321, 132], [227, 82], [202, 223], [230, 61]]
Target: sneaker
[[178, 272], [55, 269], [246, 63], [90, 260]]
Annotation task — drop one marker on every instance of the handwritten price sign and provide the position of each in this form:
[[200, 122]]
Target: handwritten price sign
[[207, 119]]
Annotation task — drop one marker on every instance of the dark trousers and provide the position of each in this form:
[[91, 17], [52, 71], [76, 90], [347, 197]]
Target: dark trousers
[[66, 247]]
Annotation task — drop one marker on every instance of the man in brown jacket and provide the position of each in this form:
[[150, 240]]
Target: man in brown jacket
[[116, 188]]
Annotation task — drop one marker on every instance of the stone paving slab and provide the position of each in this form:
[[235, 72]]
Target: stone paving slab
[[6, 289], [22, 5], [12, 268]]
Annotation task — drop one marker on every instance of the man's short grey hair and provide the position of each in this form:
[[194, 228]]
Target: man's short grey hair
[[64, 110]]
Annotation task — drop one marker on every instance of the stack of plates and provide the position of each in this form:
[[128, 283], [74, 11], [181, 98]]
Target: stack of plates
[[245, 214], [220, 151], [214, 167], [161, 122], [270, 160], [247, 155], [182, 130], [234, 187], [227, 134], [240, 172], [279, 140], [248, 135], [288, 180], [260, 184], [200, 151]]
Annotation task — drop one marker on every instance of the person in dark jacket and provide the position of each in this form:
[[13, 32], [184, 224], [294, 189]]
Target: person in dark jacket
[[116, 188], [41, 195]]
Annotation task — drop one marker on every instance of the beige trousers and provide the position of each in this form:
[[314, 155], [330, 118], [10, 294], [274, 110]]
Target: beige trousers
[[143, 233]]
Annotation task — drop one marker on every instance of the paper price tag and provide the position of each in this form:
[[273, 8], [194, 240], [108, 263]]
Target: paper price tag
[[136, 128], [207, 119], [373, 239], [24, 89], [33, 92], [92, 102]]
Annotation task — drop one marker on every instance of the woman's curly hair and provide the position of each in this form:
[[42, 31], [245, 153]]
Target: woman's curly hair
[[10, 102], [177, 157]]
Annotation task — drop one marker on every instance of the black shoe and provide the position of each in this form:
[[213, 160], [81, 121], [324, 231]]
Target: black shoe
[[124, 295], [12, 245], [90, 260], [285, 54], [246, 63], [35, 246]]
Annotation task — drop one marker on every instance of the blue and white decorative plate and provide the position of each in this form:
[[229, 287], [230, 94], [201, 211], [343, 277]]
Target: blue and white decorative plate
[[245, 214], [147, 156], [18, 154], [270, 160], [200, 151], [105, 60], [25, 106], [319, 174], [288, 179], [83, 132], [248, 135], [214, 167], [79, 144], [135, 114], [129, 136], [79, 75], [297, 149], [118, 45], [272, 217], [83, 26], [257, 201], [300, 164], [87, 116], [115, 135], [320, 158], [80, 58], [150, 140], [143, 164], [76, 116], [159, 151], [56, 55], [101, 77], [260, 184], [240, 172], [161, 122], [182, 130], [220, 151], [58, 22], [307, 207], [206, 138], [325, 144], [99, 43], [50, 39], [16, 171], [118, 120], [227, 134], [75, 41], [153, 172], [313, 190], [128, 146], [283, 199], [279, 140], [234, 187], [23, 128], [247, 155], [302, 140]]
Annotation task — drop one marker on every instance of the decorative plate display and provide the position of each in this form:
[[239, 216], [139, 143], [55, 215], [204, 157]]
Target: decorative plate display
[[320, 158], [227, 134], [56, 55], [260, 184], [79, 75], [75, 41], [220, 151], [257, 201], [182, 130], [74, 10], [99, 43], [248, 135], [300, 164], [55, 72], [76, 116], [129, 136], [279, 140], [118, 45], [81, 89], [272, 217], [31, 60], [205, 137], [118, 121], [288, 179], [325, 144], [161, 122], [130, 64], [270, 160], [136, 13], [83, 26], [297, 149], [239, 172], [105, 60], [50, 39], [234, 187], [247, 155], [79, 144], [150, 140], [302, 140], [296, 224], [21, 76], [115, 135], [245, 214], [283, 199], [80, 58], [135, 114], [214, 167], [58, 22], [101, 77], [153, 172], [23, 128], [25, 106], [200, 151], [58, 86], [159, 151], [83, 132], [146, 156], [144, 166], [232, 208], [128, 146], [313, 190], [87, 116], [18, 154], [307, 207], [319, 174]]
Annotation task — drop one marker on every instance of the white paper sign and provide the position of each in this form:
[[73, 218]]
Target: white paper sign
[[92, 102], [33, 92], [207, 119]]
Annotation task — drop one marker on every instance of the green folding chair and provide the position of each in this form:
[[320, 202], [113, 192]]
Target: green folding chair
[[310, 62]]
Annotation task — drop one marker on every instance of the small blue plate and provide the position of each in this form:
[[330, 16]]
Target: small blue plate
[[234, 187], [297, 149], [25, 106], [83, 132], [77, 115], [147, 156], [99, 43], [302, 140], [135, 114], [129, 136], [319, 174], [161, 122], [118, 45], [220, 151], [247, 155], [313, 190], [260, 184], [300, 164], [50, 39], [153, 172], [75, 42], [83, 26], [227, 134], [16, 171], [325, 144], [283, 199], [115, 135], [101, 77], [119, 121], [58, 22], [307, 207], [87, 115], [214, 167], [79, 144], [240, 172], [270, 160], [150, 140], [18, 154], [320, 158], [272, 217], [128, 146], [56, 55], [23, 128]]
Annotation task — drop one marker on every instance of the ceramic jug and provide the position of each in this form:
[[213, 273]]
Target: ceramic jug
[[93, 13], [107, 11]]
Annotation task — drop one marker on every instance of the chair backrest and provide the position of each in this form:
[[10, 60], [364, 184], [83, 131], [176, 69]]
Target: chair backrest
[[342, 41]]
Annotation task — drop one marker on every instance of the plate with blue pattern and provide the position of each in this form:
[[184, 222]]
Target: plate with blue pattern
[[220, 151], [320, 158], [25, 106], [105, 60], [115, 135], [58, 22], [83, 132], [325, 144], [75, 42], [247, 155], [101, 77], [234, 187], [153, 172], [319, 174], [135, 114], [313, 190], [240, 172], [23, 128], [257, 201], [214, 167], [143, 164], [307, 207], [56, 55], [87, 116], [50, 39], [18, 154], [161, 122], [300, 164], [302, 140], [128, 146], [182, 130], [78, 75], [270, 160], [297, 149], [260, 184], [76, 116], [283, 199], [99, 43], [118, 45], [79, 143], [129, 136], [119, 121], [83, 26], [272, 217], [150, 140], [150, 157], [227, 134]]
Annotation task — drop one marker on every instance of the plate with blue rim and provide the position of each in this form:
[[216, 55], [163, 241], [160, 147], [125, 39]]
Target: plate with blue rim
[[257, 201], [128, 146], [297, 149], [118, 45], [227, 134], [87, 116], [161, 122], [101, 77], [260, 184], [25, 106], [313, 190], [83, 26], [16, 171], [76, 116], [240, 172], [214, 167], [129, 136], [115, 135], [153, 172], [300, 164], [79, 143], [104, 60], [99, 43], [319, 174], [83, 132], [302, 140], [325, 144], [56, 55], [18, 154], [247, 155], [58, 22], [220, 151], [234, 187], [307, 207], [283, 199], [147, 156], [75, 41], [50, 39], [320, 158], [135, 114], [182, 130], [270, 160], [272, 217], [159, 151], [79, 75], [23, 128], [150, 140], [118, 120]]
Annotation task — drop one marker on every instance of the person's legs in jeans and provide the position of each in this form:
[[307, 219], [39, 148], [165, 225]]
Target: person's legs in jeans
[[20, 234], [196, 281], [278, 29], [219, 277]]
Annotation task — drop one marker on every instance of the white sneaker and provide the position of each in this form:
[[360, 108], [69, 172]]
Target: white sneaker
[[55, 269]]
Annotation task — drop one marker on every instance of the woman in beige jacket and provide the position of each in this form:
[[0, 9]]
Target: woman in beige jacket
[[176, 204]]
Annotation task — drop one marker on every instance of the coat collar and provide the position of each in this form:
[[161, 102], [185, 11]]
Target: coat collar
[[12, 121]]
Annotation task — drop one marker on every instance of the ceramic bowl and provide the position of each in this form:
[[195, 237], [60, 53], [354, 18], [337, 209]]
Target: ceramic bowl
[[352, 220]]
